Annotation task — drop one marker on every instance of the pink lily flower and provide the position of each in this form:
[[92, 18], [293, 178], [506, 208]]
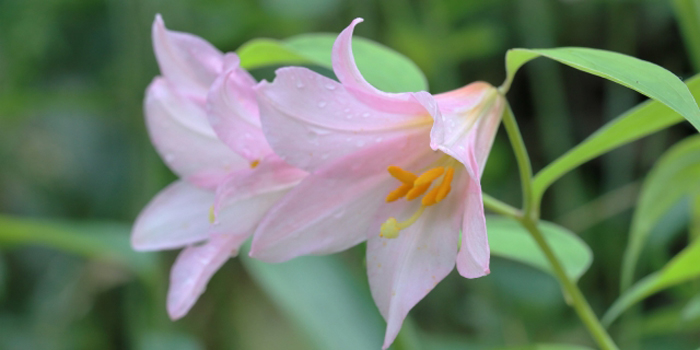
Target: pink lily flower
[[347, 134], [202, 118]]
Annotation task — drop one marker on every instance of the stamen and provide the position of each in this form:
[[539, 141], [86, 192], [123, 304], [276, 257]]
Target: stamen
[[445, 185], [404, 176], [428, 176], [416, 191], [254, 163], [212, 217], [391, 227], [430, 198], [399, 192]]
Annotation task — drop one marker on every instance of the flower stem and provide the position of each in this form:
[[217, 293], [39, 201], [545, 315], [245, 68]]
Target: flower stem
[[499, 207], [578, 301], [523, 160], [530, 219]]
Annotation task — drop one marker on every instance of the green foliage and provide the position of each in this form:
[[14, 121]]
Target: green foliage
[[383, 67], [320, 295], [640, 121], [675, 176], [683, 267], [644, 77], [508, 239]]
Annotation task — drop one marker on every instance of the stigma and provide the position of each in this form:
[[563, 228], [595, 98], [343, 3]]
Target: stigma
[[412, 187]]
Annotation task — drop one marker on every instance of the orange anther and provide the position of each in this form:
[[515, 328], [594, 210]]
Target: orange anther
[[416, 191], [404, 176], [398, 193], [429, 199], [254, 163], [428, 176], [445, 185]]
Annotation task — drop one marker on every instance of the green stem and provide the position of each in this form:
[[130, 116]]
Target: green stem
[[530, 219], [523, 160], [499, 207], [578, 301]]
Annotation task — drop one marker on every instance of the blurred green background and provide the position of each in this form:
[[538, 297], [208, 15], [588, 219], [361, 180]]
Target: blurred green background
[[76, 166]]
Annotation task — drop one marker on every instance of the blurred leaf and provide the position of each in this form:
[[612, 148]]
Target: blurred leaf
[[320, 296], [691, 311], [3, 278], [688, 15], [168, 341], [674, 177], [645, 119], [508, 239], [644, 77], [683, 267], [548, 347], [383, 67], [107, 242]]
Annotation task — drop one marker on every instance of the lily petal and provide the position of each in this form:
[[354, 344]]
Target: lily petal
[[474, 254], [194, 268], [349, 75], [272, 175], [332, 208], [309, 119], [182, 136], [468, 122], [187, 61], [403, 270], [175, 217], [233, 112]]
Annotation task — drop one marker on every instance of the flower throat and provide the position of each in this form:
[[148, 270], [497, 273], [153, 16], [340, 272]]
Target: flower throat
[[412, 187]]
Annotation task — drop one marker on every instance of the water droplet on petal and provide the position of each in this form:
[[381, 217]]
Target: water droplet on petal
[[330, 87], [360, 143], [322, 104], [169, 158], [366, 115], [300, 85], [378, 139]]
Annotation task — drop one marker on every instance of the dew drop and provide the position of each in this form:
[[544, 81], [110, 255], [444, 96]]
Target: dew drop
[[300, 85], [322, 104], [360, 143], [169, 157], [346, 110], [330, 87], [366, 115], [378, 139]]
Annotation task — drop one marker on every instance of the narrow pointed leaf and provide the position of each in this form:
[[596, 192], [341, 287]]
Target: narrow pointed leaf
[[644, 77], [683, 267], [674, 177], [642, 120]]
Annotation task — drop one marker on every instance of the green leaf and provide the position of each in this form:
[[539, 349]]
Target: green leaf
[[644, 77], [548, 347], [674, 177], [320, 295], [683, 267], [640, 121], [383, 67], [688, 16], [691, 311], [508, 239], [107, 242]]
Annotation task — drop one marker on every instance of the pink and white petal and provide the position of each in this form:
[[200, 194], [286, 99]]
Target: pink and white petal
[[193, 269], [349, 75], [271, 175], [175, 217], [403, 270], [332, 208], [309, 119], [233, 113], [474, 254], [187, 61], [468, 122], [182, 136]]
